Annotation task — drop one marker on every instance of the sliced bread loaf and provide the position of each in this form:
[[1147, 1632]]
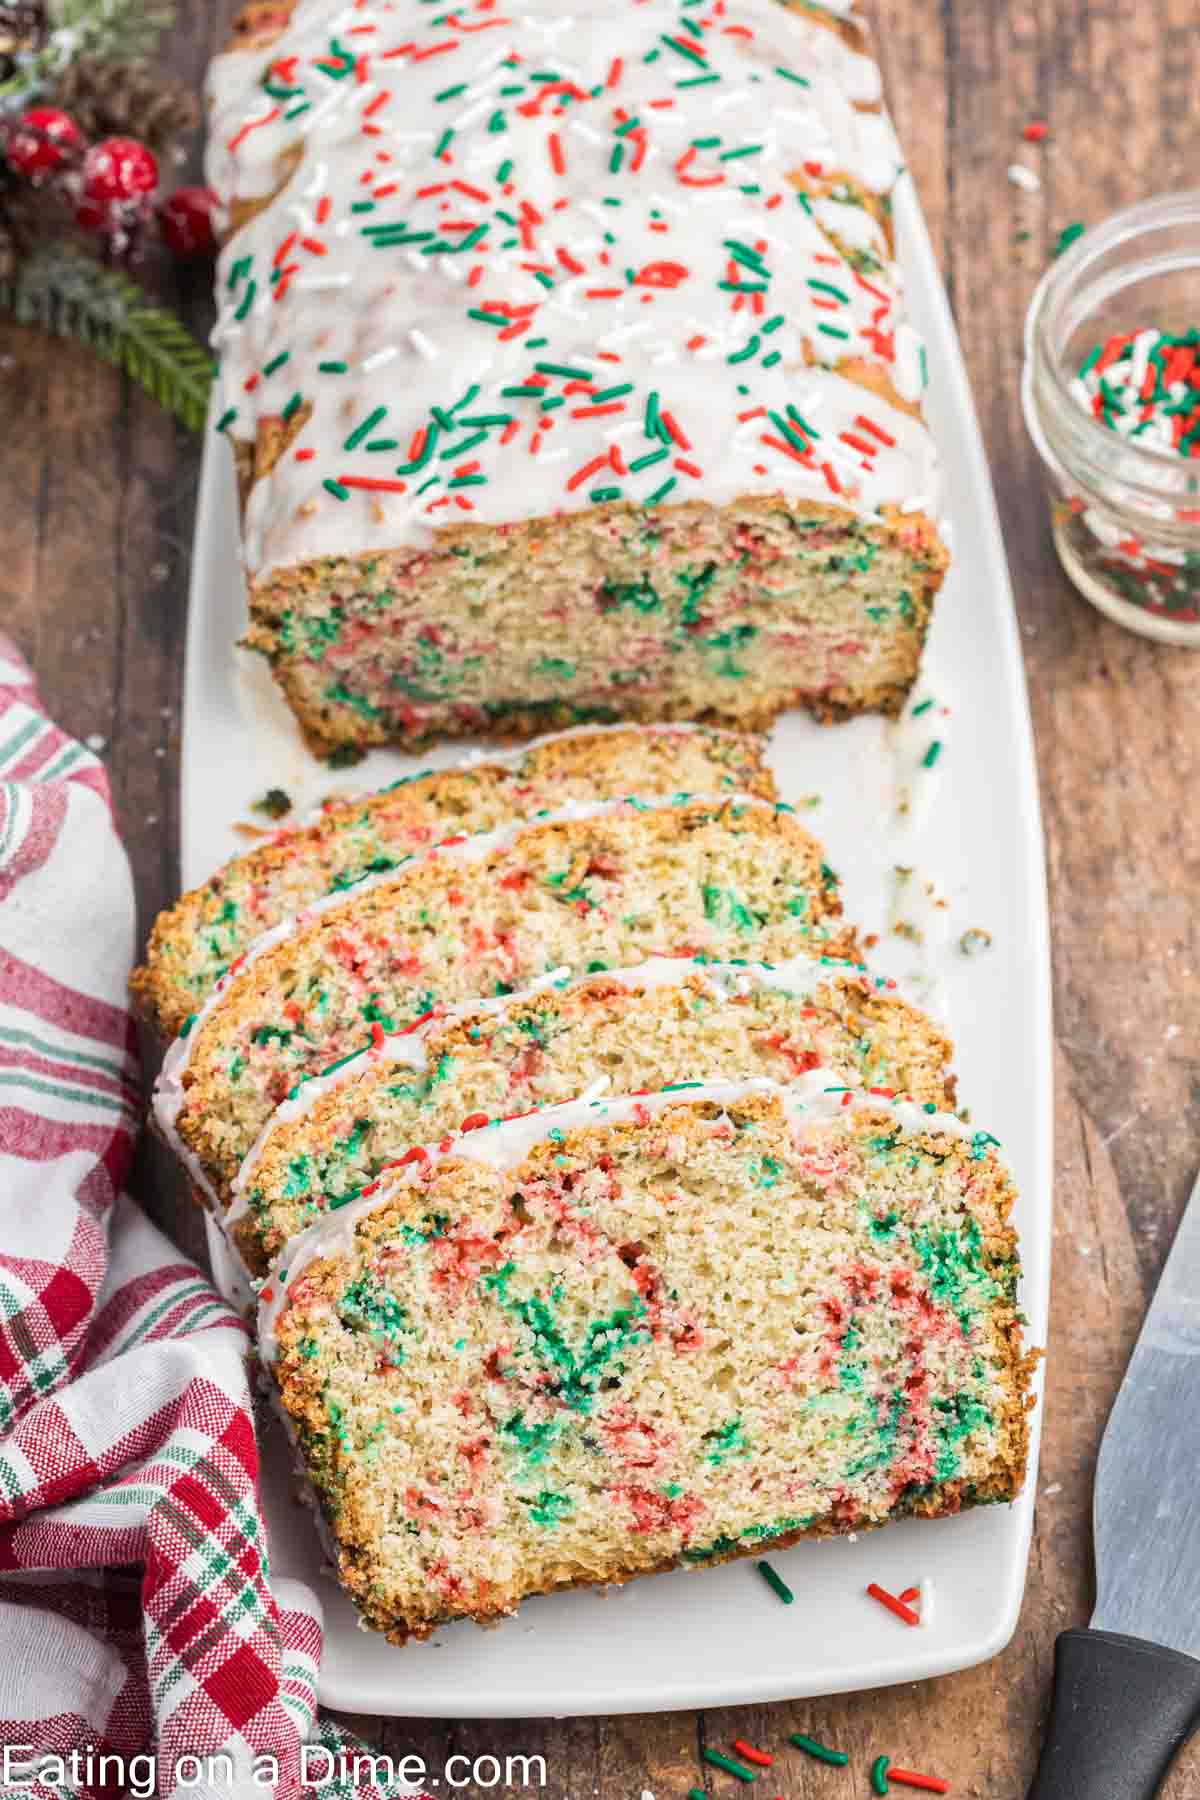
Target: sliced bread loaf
[[595, 1342], [659, 1023], [194, 942], [594, 887]]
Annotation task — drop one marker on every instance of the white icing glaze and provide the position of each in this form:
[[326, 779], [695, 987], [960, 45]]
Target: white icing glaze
[[644, 278], [813, 1099], [800, 976], [170, 1094]]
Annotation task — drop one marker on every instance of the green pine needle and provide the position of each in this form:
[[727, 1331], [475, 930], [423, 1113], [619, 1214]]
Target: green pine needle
[[68, 293], [125, 31], [113, 29]]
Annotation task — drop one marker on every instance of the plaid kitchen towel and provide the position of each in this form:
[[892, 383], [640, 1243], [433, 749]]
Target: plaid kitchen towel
[[142, 1645]]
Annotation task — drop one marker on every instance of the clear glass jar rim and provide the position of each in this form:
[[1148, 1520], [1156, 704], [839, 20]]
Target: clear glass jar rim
[[1065, 275]]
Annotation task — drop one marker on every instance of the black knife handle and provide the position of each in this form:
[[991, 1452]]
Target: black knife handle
[[1122, 1707]]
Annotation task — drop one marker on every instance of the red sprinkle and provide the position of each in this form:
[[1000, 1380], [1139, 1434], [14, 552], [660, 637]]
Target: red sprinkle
[[932, 1784], [894, 1606], [763, 1758], [1036, 131]]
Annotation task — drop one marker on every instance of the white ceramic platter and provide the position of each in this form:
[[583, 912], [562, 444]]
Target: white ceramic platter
[[719, 1637]]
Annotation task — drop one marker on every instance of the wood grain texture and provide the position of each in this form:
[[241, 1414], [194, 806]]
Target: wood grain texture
[[94, 542]]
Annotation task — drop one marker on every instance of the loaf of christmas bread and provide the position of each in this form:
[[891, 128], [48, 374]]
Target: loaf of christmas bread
[[565, 359]]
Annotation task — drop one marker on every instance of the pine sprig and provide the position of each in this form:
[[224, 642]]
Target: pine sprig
[[127, 30], [66, 292], [105, 30]]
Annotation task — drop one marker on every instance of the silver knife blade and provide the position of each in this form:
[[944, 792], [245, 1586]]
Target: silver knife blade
[[1146, 1506]]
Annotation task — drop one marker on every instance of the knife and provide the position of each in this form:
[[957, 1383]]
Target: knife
[[1127, 1690]]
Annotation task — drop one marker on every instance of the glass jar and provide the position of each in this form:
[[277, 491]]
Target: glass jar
[[1125, 515]]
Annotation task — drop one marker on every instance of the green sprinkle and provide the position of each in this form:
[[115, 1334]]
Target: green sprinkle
[[599, 495], [365, 429], [746, 150], [487, 318], [832, 330], [646, 462], [822, 1752], [504, 171], [727, 1763], [1068, 235], [336, 489], [226, 420], [697, 1794], [775, 1582], [697, 81], [827, 287], [247, 300], [276, 362], [744, 355], [923, 708], [879, 1769], [932, 754], [293, 406], [662, 492], [451, 93], [563, 369], [800, 80], [443, 143], [332, 368]]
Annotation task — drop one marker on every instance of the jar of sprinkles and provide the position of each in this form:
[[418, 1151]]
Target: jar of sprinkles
[[1111, 391]]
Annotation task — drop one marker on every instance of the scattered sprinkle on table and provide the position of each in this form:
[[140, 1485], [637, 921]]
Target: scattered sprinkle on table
[[763, 1758], [821, 1752], [893, 1604], [1036, 132], [1025, 178], [883, 1774], [727, 1763], [775, 1581]]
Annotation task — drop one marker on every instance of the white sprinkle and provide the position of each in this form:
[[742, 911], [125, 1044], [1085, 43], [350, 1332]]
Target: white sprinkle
[[96, 742], [919, 503], [318, 283], [1055, 1487], [386, 355], [925, 1603], [423, 345], [1025, 178]]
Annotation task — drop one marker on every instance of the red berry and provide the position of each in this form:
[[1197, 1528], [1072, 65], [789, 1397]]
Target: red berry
[[41, 141], [186, 221], [117, 175]]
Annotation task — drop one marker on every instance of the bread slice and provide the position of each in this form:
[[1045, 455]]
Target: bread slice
[[594, 887], [602, 401], [194, 942], [665, 1021], [606, 1339]]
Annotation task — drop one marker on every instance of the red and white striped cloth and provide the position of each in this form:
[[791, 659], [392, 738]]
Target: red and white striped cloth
[[137, 1616]]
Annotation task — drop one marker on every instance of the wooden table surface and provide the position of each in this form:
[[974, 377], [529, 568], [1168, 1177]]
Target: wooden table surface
[[95, 528]]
